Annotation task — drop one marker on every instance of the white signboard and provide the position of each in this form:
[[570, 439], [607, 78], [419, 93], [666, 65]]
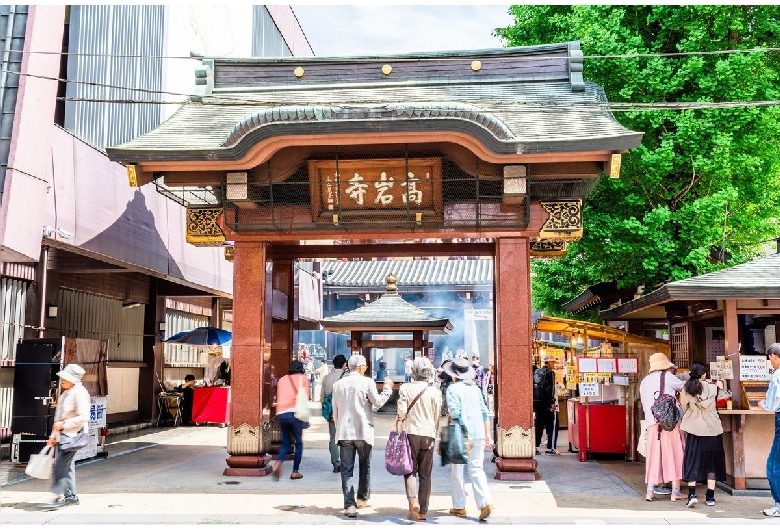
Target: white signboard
[[97, 411], [628, 366], [753, 368], [620, 380], [589, 389], [586, 364], [606, 365]]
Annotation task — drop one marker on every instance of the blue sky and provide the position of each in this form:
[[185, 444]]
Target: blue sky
[[335, 30]]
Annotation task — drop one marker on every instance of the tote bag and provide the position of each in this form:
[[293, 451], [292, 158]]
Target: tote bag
[[398, 452], [40, 465], [453, 447], [302, 410]]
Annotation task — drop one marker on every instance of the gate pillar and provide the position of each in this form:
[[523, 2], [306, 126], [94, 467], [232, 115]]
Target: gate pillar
[[249, 432], [515, 443]]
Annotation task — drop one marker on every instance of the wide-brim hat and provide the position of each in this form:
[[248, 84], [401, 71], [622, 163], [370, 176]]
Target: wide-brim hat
[[72, 373], [460, 368], [659, 361]]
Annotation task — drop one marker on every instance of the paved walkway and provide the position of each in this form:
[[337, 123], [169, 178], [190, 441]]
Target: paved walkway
[[174, 476]]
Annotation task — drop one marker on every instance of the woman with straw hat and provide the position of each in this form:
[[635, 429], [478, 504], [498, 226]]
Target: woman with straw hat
[[665, 449]]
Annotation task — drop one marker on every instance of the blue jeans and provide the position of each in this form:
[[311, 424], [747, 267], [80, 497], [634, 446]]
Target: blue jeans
[[347, 450], [292, 431], [335, 452], [773, 463]]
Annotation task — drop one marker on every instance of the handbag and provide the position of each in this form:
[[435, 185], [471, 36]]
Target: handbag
[[41, 465], [302, 410], [398, 452], [72, 443], [454, 447]]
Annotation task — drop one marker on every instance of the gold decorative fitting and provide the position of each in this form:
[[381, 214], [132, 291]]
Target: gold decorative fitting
[[132, 178], [230, 253], [202, 227], [476, 65], [386, 69], [298, 72], [564, 220]]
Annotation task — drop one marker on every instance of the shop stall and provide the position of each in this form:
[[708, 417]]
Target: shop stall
[[211, 404], [598, 375]]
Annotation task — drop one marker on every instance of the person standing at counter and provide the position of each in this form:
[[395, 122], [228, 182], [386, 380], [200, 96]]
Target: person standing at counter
[[704, 458], [665, 449], [772, 404], [545, 403]]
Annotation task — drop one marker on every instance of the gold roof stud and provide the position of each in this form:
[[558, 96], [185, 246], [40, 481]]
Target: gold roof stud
[[386, 69], [298, 72], [476, 65]]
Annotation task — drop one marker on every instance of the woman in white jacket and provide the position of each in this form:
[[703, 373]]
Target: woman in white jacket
[[70, 418]]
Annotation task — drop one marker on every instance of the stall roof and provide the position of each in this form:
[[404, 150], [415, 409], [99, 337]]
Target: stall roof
[[759, 278], [564, 326]]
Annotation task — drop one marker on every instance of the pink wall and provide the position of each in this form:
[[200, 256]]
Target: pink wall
[[290, 28], [29, 165], [92, 199]]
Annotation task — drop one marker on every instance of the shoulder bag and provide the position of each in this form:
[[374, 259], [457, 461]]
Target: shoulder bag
[[302, 410], [327, 402], [41, 465], [398, 452], [72, 443]]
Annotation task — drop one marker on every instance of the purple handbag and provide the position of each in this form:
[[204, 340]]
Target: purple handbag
[[398, 452]]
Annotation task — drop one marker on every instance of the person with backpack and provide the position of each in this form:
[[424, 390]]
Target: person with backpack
[[545, 405], [665, 448], [327, 407]]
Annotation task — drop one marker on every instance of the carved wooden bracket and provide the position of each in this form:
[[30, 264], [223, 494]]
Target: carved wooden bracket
[[202, 227], [564, 220]]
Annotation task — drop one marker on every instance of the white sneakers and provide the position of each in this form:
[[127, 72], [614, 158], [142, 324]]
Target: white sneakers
[[774, 511]]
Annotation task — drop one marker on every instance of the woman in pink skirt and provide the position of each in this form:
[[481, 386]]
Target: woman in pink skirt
[[665, 449]]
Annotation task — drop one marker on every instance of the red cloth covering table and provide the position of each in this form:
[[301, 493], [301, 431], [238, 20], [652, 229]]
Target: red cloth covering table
[[211, 404]]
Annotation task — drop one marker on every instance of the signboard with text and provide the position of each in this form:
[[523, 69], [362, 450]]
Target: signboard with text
[[392, 187], [753, 368]]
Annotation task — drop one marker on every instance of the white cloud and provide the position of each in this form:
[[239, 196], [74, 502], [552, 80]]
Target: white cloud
[[382, 30]]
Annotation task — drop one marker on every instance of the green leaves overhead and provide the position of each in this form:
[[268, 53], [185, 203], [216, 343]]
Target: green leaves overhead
[[701, 179]]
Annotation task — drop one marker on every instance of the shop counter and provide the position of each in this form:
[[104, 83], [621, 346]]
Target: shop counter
[[211, 404], [596, 428], [747, 439]]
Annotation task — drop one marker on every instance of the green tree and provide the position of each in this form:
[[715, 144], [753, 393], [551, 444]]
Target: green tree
[[702, 179]]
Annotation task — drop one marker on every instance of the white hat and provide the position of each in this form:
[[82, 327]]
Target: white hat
[[659, 361], [72, 373]]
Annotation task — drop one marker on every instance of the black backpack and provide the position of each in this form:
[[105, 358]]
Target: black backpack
[[666, 410], [542, 389]]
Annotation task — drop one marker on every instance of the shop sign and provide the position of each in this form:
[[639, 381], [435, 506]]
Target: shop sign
[[753, 368], [97, 411], [606, 365], [586, 364], [362, 189], [628, 365], [589, 389], [478, 314]]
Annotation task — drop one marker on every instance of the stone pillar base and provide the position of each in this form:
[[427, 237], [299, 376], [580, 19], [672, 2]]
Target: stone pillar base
[[246, 466], [516, 469]]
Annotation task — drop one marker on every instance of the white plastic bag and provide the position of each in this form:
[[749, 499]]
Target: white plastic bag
[[641, 446], [41, 465]]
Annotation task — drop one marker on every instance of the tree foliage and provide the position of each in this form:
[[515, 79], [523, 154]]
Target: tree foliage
[[702, 179]]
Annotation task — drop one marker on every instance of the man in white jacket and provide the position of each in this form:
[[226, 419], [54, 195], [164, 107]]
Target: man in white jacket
[[354, 398], [70, 419]]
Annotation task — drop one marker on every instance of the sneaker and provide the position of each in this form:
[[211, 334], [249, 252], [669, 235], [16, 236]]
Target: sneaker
[[460, 512], [692, 501], [361, 503], [710, 502], [484, 513], [295, 475], [660, 490], [71, 499], [551, 452], [337, 469], [774, 511], [351, 512]]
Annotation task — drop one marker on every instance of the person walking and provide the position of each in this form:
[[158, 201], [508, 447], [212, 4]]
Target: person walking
[[419, 404], [407, 368], [545, 403], [338, 372], [354, 398], [704, 459], [71, 417], [290, 426], [465, 404], [772, 403], [665, 449]]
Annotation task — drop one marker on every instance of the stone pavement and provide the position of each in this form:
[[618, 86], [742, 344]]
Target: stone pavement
[[174, 477]]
